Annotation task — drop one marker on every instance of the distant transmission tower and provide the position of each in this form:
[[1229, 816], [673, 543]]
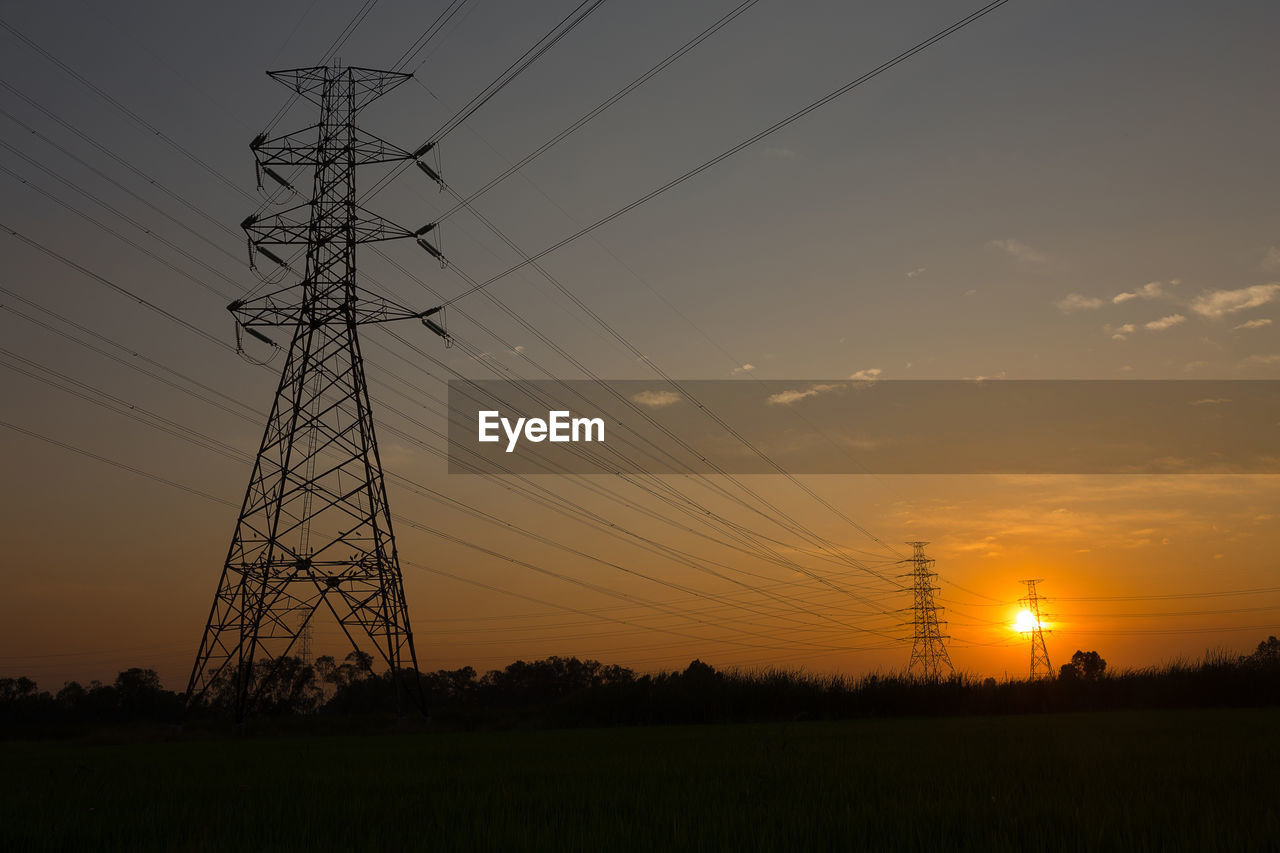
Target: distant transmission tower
[[314, 532], [928, 651], [304, 643], [1040, 666]]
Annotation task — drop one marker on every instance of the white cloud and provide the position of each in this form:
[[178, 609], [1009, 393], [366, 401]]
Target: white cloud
[[1165, 323], [868, 375], [1255, 324], [1120, 333], [1076, 302], [786, 398], [915, 272], [746, 368], [1273, 358], [1215, 304], [1150, 290], [656, 399], [1271, 261], [1018, 250]]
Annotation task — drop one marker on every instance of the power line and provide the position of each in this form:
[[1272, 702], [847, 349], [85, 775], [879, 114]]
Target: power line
[[773, 128], [604, 105], [1172, 596], [153, 256], [514, 70], [570, 22], [89, 84], [201, 439], [47, 141], [116, 464], [209, 443], [133, 411], [170, 141], [123, 291], [71, 128], [419, 44]]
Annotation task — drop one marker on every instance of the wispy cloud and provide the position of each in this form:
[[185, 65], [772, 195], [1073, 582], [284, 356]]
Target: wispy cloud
[[1150, 290], [1073, 302], [656, 399], [871, 374], [1216, 304], [1120, 333], [786, 398], [1165, 323], [1271, 260], [1018, 250], [746, 368], [915, 272], [1255, 324], [1265, 360], [1210, 401]]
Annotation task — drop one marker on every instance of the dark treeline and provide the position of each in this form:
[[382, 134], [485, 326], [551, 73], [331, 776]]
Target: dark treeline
[[566, 692]]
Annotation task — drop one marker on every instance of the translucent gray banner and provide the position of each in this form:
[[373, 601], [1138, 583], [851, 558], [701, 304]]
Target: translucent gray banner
[[865, 427]]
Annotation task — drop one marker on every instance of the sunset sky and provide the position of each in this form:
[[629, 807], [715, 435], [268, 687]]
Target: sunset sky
[[1058, 191]]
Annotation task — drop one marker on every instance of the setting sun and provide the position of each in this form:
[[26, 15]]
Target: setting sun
[[1024, 621]]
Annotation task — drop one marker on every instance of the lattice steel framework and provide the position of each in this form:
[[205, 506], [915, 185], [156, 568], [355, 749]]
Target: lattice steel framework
[[1040, 666], [314, 532], [929, 655]]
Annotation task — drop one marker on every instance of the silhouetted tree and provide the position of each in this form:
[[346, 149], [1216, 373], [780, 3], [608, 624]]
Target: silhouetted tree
[[71, 696], [356, 666], [1267, 653], [572, 692], [698, 672], [16, 689], [1084, 666]]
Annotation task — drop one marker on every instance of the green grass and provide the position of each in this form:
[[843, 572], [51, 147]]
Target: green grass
[[1201, 780]]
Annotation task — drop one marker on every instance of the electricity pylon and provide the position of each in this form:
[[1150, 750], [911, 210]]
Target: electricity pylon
[[314, 532], [1040, 666], [928, 651]]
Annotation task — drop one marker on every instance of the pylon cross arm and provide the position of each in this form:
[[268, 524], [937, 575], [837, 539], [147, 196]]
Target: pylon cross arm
[[300, 148], [367, 83], [295, 226], [284, 307]]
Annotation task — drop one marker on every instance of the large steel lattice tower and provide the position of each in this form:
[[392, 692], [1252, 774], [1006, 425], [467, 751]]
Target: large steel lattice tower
[[1040, 666], [314, 533], [928, 651]]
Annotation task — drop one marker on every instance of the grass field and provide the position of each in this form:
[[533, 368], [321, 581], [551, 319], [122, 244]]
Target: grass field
[[1200, 780]]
